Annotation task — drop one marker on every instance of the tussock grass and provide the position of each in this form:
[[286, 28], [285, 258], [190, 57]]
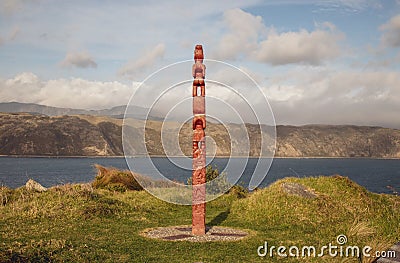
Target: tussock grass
[[114, 179], [83, 223], [5, 195], [341, 207], [122, 180]]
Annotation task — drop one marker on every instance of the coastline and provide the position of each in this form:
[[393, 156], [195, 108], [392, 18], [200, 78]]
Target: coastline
[[59, 156], [180, 156]]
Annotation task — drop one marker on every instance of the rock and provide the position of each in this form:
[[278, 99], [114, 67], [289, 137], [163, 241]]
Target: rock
[[298, 189], [35, 186]]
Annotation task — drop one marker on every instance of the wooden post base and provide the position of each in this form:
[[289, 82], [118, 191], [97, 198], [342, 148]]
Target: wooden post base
[[198, 219]]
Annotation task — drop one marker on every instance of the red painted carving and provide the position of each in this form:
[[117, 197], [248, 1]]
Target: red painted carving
[[199, 105], [199, 83], [198, 133], [198, 53], [199, 192], [199, 119], [198, 219], [202, 148], [197, 176], [196, 150], [199, 163], [199, 72], [199, 150]]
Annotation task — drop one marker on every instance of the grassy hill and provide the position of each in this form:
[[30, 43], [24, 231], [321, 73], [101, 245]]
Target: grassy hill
[[79, 223]]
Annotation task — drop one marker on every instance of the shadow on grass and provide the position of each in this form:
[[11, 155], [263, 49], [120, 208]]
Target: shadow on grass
[[221, 217]]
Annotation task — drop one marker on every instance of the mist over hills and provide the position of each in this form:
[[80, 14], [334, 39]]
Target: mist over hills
[[136, 112]]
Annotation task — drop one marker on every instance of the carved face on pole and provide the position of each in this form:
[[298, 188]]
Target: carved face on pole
[[198, 53], [199, 125], [199, 120]]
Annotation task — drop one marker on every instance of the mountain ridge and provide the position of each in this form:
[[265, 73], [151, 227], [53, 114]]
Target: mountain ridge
[[136, 112], [87, 135]]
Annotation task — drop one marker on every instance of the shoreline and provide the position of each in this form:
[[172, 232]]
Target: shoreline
[[219, 157]]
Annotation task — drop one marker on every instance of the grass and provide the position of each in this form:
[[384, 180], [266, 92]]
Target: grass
[[79, 223], [114, 179]]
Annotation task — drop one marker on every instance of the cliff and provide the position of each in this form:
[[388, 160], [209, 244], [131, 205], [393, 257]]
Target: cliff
[[26, 134], [86, 135], [337, 141]]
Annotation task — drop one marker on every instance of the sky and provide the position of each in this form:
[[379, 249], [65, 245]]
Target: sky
[[317, 62]]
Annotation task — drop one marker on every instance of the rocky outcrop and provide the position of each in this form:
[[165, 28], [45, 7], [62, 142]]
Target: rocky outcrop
[[298, 190], [32, 185]]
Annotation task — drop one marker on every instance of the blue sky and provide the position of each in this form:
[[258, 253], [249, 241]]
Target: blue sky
[[332, 61]]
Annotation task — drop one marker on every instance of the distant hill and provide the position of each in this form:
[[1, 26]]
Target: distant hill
[[337, 141], [85, 135], [115, 112]]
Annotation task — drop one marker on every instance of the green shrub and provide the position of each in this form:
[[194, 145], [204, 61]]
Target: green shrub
[[217, 181], [239, 191]]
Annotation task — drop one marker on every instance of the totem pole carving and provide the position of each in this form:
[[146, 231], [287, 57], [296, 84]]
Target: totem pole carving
[[199, 146]]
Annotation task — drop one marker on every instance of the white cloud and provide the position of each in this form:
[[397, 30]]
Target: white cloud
[[243, 31], [287, 93], [70, 93], [347, 6], [300, 47], [247, 35], [13, 33], [114, 33], [109, 25], [10, 6], [134, 67], [391, 32], [329, 97], [78, 59], [299, 96]]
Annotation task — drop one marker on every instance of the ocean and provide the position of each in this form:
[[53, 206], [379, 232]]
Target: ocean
[[377, 175]]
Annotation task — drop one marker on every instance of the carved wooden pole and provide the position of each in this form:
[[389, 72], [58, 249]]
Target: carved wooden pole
[[199, 146]]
